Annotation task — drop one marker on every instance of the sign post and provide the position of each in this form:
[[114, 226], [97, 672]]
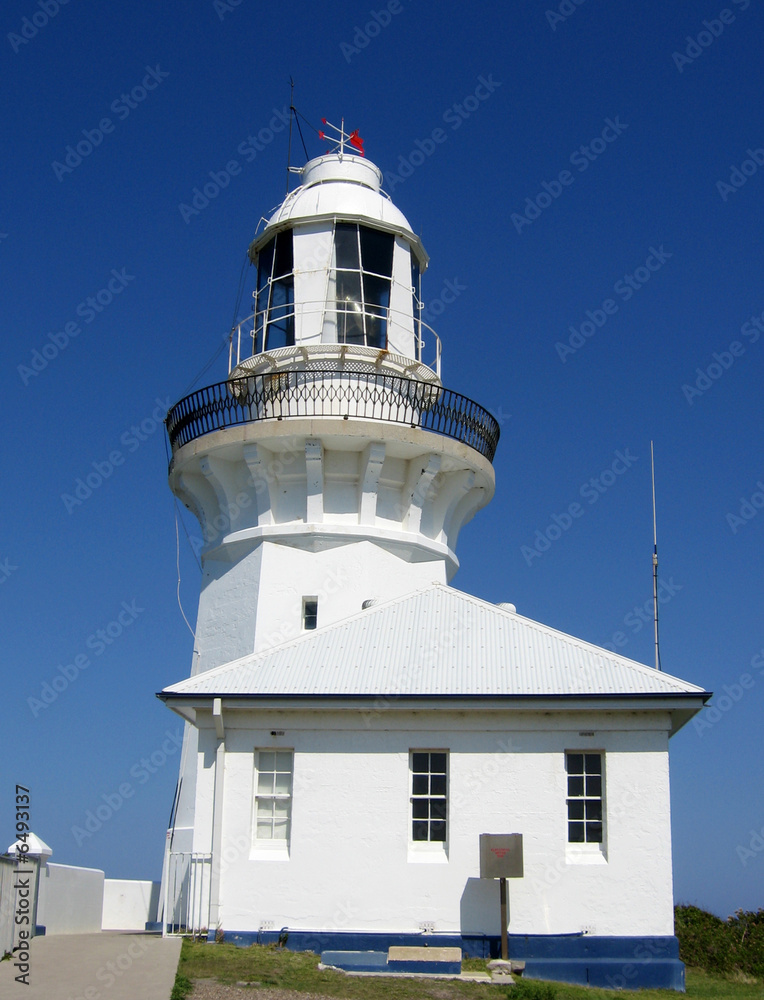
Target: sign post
[[501, 857]]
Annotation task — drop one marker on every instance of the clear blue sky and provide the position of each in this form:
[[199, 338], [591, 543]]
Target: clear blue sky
[[620, 144]]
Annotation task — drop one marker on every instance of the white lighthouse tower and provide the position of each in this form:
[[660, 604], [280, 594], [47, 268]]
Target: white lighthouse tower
[[331, 470], [356, 724]]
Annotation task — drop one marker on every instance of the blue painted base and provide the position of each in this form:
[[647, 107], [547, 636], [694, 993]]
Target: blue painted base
[[629, 963], [377, 961]]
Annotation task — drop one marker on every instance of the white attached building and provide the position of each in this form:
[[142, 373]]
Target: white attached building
[[355, 723]]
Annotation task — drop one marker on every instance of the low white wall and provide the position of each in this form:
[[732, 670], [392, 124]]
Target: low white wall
[[70, 900], [128, 905]]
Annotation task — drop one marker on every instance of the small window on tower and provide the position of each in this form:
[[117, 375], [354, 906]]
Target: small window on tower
[[309, 613]]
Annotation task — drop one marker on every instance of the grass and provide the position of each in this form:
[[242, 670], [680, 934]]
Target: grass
[[267, 965], [182, 987]]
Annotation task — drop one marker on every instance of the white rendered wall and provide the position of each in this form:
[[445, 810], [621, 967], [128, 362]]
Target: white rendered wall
[[350, 865], [70, 899], [128, 905]]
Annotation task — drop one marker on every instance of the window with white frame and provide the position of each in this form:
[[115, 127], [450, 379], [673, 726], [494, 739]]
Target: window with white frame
[[309, 613], [584, 775], [429, 796], [273, 798]]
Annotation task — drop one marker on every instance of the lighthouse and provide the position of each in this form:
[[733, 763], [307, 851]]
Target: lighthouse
[[354, 722]]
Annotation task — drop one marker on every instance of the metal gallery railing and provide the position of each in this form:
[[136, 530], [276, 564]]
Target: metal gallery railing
[[245, 339], [344, 393]]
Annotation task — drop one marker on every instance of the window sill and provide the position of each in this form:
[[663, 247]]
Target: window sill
[[585, 854], [263, 851], [427, 854]]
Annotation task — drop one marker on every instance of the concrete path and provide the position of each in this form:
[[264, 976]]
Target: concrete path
[[106, 966]]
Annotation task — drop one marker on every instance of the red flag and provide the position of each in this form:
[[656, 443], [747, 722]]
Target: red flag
[[355, 140]]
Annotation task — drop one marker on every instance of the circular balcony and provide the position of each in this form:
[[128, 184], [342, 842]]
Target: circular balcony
[[329, 392]]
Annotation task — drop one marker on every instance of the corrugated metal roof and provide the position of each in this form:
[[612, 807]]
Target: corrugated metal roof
[[434, 642]]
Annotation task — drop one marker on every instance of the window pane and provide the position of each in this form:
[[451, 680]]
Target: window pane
[[419, 809], [346, 243], [575, 809], [593, 763], [265, 783], [438, 831], [283, 761], [376, 332], [377, 251], [594, 809], [419, 830], [438, 763], [594, 785], [280, 329], [576, 833], [283, 262], [575, 786], [283, 784], [348, 287], [594, 833], [280, 828], [376, 294], [419, 785], [575, 763], [437, 808], [265, 809], [264, 830], [438, 784], [266, 760], [420, 763]]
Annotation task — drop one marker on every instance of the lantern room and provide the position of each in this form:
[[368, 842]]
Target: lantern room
[[338, 271]]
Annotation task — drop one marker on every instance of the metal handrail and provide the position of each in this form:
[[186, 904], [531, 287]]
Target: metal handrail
[[351, 392], [321, 307]]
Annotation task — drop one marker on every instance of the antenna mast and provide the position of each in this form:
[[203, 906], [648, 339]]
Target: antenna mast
[[655, 564], [291, 118]]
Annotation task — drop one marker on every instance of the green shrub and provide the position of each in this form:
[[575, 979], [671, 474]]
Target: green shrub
[[721, 946]]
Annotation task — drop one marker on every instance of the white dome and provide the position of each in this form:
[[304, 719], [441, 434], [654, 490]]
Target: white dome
[[346, 187]]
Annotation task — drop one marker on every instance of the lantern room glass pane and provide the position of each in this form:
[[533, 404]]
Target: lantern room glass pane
[[280, 328], [377, 251], [283, 262], [346, 245]]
